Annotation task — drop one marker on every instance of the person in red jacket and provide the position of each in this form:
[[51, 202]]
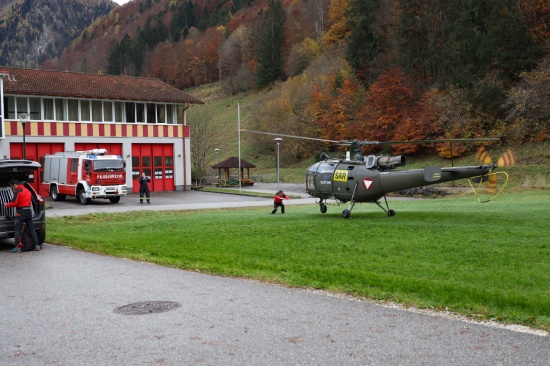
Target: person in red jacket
[[22, 201], [278, 201]]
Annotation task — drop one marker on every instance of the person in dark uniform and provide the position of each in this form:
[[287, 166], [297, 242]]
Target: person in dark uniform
[[144, 188], [278, 201], [22, 201]]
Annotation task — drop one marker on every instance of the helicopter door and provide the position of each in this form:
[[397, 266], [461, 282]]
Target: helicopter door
[[344, 182], [323, 177]]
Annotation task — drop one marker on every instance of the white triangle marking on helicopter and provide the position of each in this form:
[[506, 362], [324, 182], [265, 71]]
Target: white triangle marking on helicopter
[[367, 183]]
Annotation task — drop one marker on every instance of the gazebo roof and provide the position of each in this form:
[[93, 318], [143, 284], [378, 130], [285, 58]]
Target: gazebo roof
[[233, 162]]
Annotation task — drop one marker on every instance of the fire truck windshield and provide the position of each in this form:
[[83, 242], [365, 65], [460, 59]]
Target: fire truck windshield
[[108, 165]]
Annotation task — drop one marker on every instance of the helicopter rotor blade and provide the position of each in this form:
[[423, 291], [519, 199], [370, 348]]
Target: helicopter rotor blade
[[364, 143], [291, 136]]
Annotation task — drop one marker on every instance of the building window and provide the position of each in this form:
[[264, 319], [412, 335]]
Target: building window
[[48, 109], [151, 115], [161, 113], [35, 109], [60, 109], [72, 104], [85, 114], [75, 110], [97, 111], [108, 111], [170, 114], [130, 112], [119, 111], [140, 112], [21, 106]]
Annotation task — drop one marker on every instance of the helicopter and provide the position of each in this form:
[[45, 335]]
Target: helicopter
[[370, 178]]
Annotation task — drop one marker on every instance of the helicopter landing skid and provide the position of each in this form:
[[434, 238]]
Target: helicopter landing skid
[[387, 209]]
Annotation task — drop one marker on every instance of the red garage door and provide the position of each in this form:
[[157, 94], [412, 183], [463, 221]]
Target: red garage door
[[36, 152], [157, 162], [112, 149]]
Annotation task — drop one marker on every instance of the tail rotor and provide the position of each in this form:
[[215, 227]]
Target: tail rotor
[[508, 158]]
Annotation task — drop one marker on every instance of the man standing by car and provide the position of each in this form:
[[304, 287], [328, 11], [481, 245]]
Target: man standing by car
[[22, 201]]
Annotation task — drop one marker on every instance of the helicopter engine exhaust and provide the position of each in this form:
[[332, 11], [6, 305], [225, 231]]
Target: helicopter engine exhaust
[[390, 162]]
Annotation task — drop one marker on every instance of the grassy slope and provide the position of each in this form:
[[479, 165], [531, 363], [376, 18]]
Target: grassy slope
[[531, 172], [485, 260]]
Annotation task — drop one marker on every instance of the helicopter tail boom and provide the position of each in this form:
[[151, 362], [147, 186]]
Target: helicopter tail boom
[[406, 179]]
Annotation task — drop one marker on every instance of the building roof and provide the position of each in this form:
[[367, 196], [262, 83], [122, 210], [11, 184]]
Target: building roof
[[94, 86], [233, 162]]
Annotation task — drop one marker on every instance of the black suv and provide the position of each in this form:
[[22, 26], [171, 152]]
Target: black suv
[[24, 171]]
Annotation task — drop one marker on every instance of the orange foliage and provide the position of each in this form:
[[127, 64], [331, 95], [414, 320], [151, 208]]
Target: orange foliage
[[335, 108], [394, 111], [537, 13]]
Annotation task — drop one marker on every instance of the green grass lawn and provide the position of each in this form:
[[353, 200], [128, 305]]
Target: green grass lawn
[[489, 261]]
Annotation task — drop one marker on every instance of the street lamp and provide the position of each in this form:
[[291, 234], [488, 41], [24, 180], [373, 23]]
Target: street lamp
[[24, 118], [217, 158], [278, 141]]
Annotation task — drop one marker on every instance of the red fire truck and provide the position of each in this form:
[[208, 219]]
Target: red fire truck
[[86, 175]]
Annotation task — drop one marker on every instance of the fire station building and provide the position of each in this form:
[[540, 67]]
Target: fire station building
[[141, 119]]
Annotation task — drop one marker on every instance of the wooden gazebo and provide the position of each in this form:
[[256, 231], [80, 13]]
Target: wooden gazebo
[[224, 180]]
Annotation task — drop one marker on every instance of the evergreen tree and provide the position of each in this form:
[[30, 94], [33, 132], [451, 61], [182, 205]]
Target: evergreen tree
[[270, 47], [365, 42]]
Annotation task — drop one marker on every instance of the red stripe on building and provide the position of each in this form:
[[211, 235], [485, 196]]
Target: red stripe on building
[[135, 130], [66, 129], [186, 131], [13, 128], [53, 128], [90, 129], [101, 130], [78, 129], [42, 128], [113, 130]]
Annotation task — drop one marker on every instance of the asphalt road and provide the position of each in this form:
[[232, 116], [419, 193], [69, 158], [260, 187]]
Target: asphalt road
[[62, 306]]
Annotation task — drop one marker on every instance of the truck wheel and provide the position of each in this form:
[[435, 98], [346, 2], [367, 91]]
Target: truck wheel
[[82, 197], [114, 199], [41, 236], [54, 194]]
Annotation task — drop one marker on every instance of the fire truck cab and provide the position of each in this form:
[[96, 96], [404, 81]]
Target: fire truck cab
[[86, 175]]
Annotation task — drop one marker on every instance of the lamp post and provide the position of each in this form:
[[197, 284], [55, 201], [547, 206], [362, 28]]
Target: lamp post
[[278, 141], [217, 157], [24, 118]]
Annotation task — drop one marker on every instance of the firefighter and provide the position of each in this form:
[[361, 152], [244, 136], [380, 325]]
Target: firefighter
[[144, 188], [22, 201], [278, 201]]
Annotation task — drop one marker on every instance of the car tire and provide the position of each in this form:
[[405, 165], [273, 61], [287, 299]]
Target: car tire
[[41, 236]]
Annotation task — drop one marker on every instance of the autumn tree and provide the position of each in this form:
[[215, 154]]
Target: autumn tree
[[338, 22], [528, 105], [336, 106], [205, 137], [396, 111], [270, 43]]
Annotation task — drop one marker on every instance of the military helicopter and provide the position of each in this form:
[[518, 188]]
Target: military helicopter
[[369, 178]]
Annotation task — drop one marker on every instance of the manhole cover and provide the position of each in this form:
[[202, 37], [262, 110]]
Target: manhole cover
[[147, 307]]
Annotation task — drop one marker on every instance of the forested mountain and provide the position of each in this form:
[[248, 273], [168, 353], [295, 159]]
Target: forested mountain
[[343, 69], [33, 31]]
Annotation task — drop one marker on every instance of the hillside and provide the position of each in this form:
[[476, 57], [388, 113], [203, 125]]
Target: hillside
[[220, 117], [33, 31]]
